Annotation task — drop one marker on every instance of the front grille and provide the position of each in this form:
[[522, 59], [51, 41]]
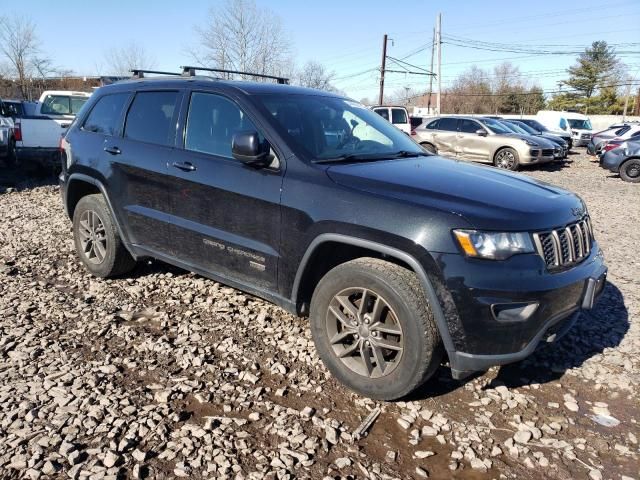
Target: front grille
[[586, 135], [547, 152], [564, 247]]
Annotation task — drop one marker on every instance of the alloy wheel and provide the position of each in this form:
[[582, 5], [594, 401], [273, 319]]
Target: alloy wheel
[[505, 159], [364, 332], [93, 237]]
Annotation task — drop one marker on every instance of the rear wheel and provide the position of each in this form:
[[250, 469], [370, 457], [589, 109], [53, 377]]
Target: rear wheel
[[96, 239], [507, 158], [630, 170], [374, 329], [429, 147]]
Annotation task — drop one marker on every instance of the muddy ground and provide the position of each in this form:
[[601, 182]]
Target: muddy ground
[[166, 374]]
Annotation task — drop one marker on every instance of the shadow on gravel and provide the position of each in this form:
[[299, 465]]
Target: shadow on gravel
[[25, 175], [550, 167], [603, 327]]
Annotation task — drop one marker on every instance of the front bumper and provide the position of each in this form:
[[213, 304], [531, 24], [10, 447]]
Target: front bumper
[[581, 141], [535, 155], [504, 310]]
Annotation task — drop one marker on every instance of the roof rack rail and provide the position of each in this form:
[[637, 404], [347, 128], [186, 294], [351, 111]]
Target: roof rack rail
[[139, 73], [191, 71]]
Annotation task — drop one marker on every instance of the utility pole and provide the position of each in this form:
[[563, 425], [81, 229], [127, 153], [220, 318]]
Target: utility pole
[[439, 42], [627, 94], [382, 69], [433, 46]]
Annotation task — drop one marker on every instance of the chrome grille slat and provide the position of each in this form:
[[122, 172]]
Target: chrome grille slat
[[566, 246]]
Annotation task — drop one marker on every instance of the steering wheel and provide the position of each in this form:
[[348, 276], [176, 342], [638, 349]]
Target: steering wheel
[[349, 138]]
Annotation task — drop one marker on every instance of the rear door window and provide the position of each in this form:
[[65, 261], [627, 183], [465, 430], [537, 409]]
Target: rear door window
[[151, 118], [105, 114], [448, 124], [398, 115]]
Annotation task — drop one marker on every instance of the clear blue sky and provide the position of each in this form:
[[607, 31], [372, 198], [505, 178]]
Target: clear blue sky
[[347, 35]]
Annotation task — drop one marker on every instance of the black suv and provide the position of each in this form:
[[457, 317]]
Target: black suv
[[316, 203]]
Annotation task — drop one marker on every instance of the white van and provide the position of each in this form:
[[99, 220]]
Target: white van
[[578, 125], [395, 114]]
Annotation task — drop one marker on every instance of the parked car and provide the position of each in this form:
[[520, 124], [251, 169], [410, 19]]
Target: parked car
[[623, 132], [7, 135], [576, 124], [41, 126], [398, 256], [482, 140], [623, 158], [562, 144], [397, 115], [536, 125], [522, 133]]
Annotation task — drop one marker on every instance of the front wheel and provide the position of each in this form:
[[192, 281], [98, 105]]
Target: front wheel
[[630, 170], [507, 158], [374, 329]]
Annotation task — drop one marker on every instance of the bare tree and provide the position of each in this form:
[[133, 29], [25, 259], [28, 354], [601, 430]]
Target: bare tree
[[20, 46], [240, 36], [314, 75], [121, 60]]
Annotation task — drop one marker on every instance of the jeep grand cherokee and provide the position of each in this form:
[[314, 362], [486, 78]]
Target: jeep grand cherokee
[[316, 203]]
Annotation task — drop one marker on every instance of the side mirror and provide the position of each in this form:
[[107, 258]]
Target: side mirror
[[248, 149], [481, 132]]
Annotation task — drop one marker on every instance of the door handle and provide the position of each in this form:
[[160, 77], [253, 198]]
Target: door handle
[[185, 166], [64, 125], [112, 150]]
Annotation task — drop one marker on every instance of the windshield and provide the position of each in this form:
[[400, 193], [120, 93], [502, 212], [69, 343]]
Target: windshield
[[516, 128], [495, 126], [62, 105], [332, 128], [526, 128], [580, 124], [537, 125]]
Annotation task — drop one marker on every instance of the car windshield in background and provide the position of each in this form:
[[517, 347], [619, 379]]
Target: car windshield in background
[[526, 128], [62, 105], [516, 128], [495, 126], [332, 128], [580, 124], [537, 125]]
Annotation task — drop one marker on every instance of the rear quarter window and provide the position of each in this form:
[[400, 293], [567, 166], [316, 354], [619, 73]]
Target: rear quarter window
[[383, 112], [105, 115]]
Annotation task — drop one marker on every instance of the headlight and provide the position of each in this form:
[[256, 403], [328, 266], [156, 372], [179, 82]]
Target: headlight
[[530, 142], [493, 245]]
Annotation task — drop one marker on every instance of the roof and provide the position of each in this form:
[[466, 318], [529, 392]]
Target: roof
[[200, 81]]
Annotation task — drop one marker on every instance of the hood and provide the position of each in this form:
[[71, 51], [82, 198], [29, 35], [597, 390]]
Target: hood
[[554, 139], [488, 198], [539, 141]]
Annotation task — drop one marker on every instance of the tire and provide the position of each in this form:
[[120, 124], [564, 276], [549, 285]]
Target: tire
[[404, 310], [96, 239], [630, 170], [428, 147], [507, 159]]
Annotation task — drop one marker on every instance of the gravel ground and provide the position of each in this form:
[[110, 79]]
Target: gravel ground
[[166, 374]]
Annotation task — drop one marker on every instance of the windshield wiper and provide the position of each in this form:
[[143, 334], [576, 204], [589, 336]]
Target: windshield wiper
[[350, 157], [407, 153], [355, 157]]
